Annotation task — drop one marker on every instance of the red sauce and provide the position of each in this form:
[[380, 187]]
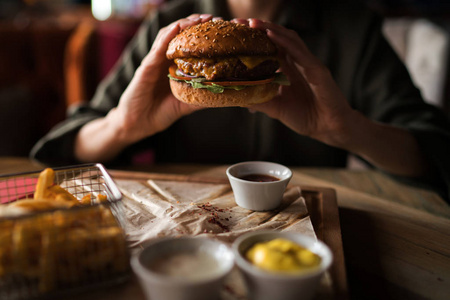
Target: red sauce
[[259, 178]]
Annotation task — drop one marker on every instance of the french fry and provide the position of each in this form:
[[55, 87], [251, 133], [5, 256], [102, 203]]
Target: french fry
[[58, 193], [60, 247], [25, 244], [47, 266], [101, 198], [46, 190], [6, 264], [30, 205], [46, 179], [86, 200], [89, 198]]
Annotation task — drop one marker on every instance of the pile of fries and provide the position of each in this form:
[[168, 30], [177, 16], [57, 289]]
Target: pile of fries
[[61, 242]]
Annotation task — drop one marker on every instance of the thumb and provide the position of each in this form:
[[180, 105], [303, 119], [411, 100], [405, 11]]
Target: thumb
[[157, 54]]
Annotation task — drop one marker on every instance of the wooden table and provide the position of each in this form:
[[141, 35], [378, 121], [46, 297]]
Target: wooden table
[[396, 237]]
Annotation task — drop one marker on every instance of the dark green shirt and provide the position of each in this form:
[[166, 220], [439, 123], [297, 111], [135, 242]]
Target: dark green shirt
[[345, 35]]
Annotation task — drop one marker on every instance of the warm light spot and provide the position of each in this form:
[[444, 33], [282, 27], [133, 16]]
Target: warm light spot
[[101, 9]]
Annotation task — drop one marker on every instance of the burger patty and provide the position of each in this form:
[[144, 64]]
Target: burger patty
[[233, 68]]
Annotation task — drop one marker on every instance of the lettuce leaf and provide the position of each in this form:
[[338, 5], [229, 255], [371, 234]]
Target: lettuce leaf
[[196, 83], [281, 79]]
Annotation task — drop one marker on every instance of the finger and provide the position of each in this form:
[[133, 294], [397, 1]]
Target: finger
[[295, 47], [264, 25], [189, 108], [240, 21], [289, 68], [270, 108], [309, 65], [166, 34], [276, 29], [202, 17], [206, 17], [295, 58], [193, 16], [256, 23], [162, 40], [289, 40], [184, 23], [217, 18]]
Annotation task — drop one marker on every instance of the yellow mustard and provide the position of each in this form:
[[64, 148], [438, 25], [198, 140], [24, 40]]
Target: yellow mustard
[[282, 255]]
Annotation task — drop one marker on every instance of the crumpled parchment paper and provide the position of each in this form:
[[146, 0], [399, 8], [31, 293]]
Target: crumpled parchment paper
[[158, 208]]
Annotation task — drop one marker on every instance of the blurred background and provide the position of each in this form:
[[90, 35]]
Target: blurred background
[[53, 53]]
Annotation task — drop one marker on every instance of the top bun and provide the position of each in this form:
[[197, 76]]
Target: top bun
[[218, 39]]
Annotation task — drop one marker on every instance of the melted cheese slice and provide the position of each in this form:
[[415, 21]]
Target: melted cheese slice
[[252, 61]]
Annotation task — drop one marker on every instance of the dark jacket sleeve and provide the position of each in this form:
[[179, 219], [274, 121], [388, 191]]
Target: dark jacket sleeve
[[384, 92], [57, 147]]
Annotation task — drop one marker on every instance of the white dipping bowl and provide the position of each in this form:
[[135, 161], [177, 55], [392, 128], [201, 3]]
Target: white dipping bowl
[[266, 285], [258, 196], [183, 268]]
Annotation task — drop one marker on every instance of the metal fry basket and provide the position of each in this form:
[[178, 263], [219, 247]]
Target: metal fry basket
[[50, 253]]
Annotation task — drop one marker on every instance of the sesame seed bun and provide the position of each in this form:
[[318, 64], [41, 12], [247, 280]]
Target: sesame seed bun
[[220, 39], [218, 53]]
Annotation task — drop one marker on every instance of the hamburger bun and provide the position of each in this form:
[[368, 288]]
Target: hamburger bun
[[220, 64], [220, 39], [202, 97]]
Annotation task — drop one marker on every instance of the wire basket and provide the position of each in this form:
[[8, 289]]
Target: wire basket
[[51, 253]]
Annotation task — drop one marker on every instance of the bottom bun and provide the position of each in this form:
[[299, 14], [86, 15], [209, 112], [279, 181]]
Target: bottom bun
[[251, 95]]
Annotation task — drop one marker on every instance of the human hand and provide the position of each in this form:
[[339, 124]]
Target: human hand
[[313, 105], [147, 106]]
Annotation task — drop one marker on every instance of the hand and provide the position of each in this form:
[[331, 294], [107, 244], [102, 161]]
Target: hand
[[147, 106], [313, 104]]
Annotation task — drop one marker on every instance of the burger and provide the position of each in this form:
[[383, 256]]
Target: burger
[[220, 64]]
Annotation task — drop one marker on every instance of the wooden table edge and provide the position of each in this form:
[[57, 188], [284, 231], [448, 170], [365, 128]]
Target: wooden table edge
[[332, 236]]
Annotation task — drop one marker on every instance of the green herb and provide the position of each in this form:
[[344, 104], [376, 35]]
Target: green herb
[[281, 79], [196, 83]]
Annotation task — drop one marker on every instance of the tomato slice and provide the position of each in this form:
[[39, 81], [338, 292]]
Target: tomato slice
[[173, 73]]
